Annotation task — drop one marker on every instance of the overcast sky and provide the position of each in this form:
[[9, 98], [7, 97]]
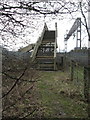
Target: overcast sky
[[31, 34], [62, 26]]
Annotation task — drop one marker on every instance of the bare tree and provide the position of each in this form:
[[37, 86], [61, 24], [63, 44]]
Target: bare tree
[[18, 16], [16, 19]]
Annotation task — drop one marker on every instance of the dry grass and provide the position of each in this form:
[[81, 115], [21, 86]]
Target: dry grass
[[20, 101], [40, 93], [59, 97]]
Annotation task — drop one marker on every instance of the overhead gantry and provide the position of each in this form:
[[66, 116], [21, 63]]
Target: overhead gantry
[[76, 27]]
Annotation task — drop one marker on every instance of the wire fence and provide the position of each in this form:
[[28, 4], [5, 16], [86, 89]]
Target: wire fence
[[79, 74], [77, 77]]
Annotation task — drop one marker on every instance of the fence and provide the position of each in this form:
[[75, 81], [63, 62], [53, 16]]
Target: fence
[[77, 63], [77, 76]]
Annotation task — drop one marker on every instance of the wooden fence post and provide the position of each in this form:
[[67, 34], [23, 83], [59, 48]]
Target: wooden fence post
[[87, 87], [85, 83], [72, 70], [89, 92]]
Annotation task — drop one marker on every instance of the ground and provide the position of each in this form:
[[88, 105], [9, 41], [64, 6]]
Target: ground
[[42, 93], [59, 97]]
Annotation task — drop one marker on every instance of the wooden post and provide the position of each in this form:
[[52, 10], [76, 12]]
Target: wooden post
[[89, 92], [87, 87], [88, 70], [86, 83], [89, 82], [55, 46], [0, 83], [72, 70]]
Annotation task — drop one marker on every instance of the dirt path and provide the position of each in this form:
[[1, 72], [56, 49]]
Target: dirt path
[[58, 97]]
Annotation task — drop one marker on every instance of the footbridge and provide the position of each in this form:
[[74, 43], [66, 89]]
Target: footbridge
[[44, 51]]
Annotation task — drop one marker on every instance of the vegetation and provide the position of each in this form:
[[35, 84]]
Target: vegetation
[[31, 93], [40, 93], [27, 92], [18, 85], [60, 97]]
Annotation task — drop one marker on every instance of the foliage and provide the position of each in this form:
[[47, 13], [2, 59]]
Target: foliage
[[18, 86], [59, 97]]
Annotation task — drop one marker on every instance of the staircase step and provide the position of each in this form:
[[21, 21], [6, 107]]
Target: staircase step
[[46, 69], [45, 46], [44, 62], [46, 65], [43, 57]]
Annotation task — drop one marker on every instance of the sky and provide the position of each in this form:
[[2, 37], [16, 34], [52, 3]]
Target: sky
[[32, 34], [62, 27]]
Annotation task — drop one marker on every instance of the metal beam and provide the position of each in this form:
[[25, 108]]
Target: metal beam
[[75, 26]]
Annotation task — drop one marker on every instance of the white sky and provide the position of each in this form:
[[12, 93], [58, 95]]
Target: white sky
[[62, 24]]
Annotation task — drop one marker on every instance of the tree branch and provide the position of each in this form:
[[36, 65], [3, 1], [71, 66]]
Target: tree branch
[[15, 83], [86, 25], [12, 105]]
